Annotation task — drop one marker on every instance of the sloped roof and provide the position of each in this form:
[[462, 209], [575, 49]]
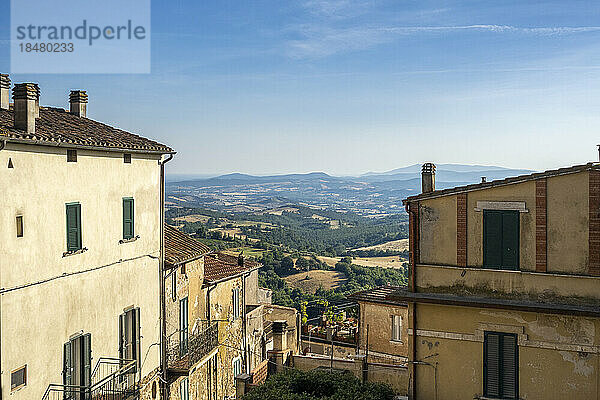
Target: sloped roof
[[503, 182], [220, 266], [58, 127], [181, 248], [381, 294]]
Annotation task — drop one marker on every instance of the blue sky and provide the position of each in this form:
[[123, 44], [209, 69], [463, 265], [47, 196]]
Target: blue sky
[[348, 87]]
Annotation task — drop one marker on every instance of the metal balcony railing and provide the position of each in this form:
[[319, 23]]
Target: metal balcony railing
[[112, 379], [182, 355]]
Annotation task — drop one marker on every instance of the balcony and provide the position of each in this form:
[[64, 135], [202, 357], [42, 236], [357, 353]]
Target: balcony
[[111, 379], [182, 355]]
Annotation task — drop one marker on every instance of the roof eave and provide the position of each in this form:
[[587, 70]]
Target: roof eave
[[86, 147]]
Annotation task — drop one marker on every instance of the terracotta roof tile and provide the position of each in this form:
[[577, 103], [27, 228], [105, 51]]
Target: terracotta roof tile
[[503, 182], [56, 126], [219, 266], [181, 248]]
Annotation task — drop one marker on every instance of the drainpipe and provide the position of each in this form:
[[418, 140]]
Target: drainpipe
[[161, 277], [413, 356]]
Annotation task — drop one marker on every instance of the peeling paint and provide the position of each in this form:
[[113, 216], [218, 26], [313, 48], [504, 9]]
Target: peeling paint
[[581, 367], [579, 330]]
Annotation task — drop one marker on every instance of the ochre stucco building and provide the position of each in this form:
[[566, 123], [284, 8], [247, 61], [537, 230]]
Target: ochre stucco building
[[217, 328], [80, 259], [504, 287]]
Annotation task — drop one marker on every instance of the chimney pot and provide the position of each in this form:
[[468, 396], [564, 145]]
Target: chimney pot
[[4, 91], [428, 178], [26, 97], [483, 179], [78, 100]]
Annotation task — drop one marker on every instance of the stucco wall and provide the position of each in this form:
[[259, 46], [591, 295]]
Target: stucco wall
[[567, 227], [558, 355], [438, 230], [568, 219], [37, 320], [378, 317]]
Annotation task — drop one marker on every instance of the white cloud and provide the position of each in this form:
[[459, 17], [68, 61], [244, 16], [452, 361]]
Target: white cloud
[[321, 41]]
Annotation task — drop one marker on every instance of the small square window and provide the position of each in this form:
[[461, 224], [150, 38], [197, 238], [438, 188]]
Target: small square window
[[127, 158], [18, 378], [71, 155], [19, 226]]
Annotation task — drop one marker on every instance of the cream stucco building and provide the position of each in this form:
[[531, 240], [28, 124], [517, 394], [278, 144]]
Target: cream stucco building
[[80, 227]]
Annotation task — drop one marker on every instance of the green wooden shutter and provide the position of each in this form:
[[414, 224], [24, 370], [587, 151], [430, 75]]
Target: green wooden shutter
[[73, 227], [128, 218], [87, 359], [491, 365], [509, 367], [510, 240], [138, 338], [492, 239], [67, 369]]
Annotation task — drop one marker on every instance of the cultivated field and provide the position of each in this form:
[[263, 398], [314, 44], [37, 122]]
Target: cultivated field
[[310, 281], [394, 245], [383, 262]]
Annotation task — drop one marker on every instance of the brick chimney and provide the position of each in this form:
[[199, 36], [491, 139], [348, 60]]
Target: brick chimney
[[279, 335], [26, 97], [78, 100], [4, 91], [428, 178]]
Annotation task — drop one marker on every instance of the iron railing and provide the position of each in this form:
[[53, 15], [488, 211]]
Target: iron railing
[[182, 356], [112, 379]]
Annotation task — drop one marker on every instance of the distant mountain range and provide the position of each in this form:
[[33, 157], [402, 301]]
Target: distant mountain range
[[371, 194], [455, 173]]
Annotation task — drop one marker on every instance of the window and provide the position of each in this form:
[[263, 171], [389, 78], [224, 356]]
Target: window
[[184, 389], [236, 303], [18, 378], [396, 328], [130, 336], [73, 227], [77, 363], [19, 226], [237, 366], [71, 155], [500, 365], [128, 214], [501, 239], [183, 326], [127, 158]]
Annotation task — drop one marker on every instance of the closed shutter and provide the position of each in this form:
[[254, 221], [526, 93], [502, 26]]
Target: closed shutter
[[128, 218], [73, 227], [501, 239], [121, 343], [138, 338], [67, 368], [500, 365], [492, 365], [492, 239], [510, 240], [509, 367], [87, 359]]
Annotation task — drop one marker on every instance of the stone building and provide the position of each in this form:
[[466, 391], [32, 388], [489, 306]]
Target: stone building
[[504, 287], [382, 331], [80, 260], [216, 327]]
